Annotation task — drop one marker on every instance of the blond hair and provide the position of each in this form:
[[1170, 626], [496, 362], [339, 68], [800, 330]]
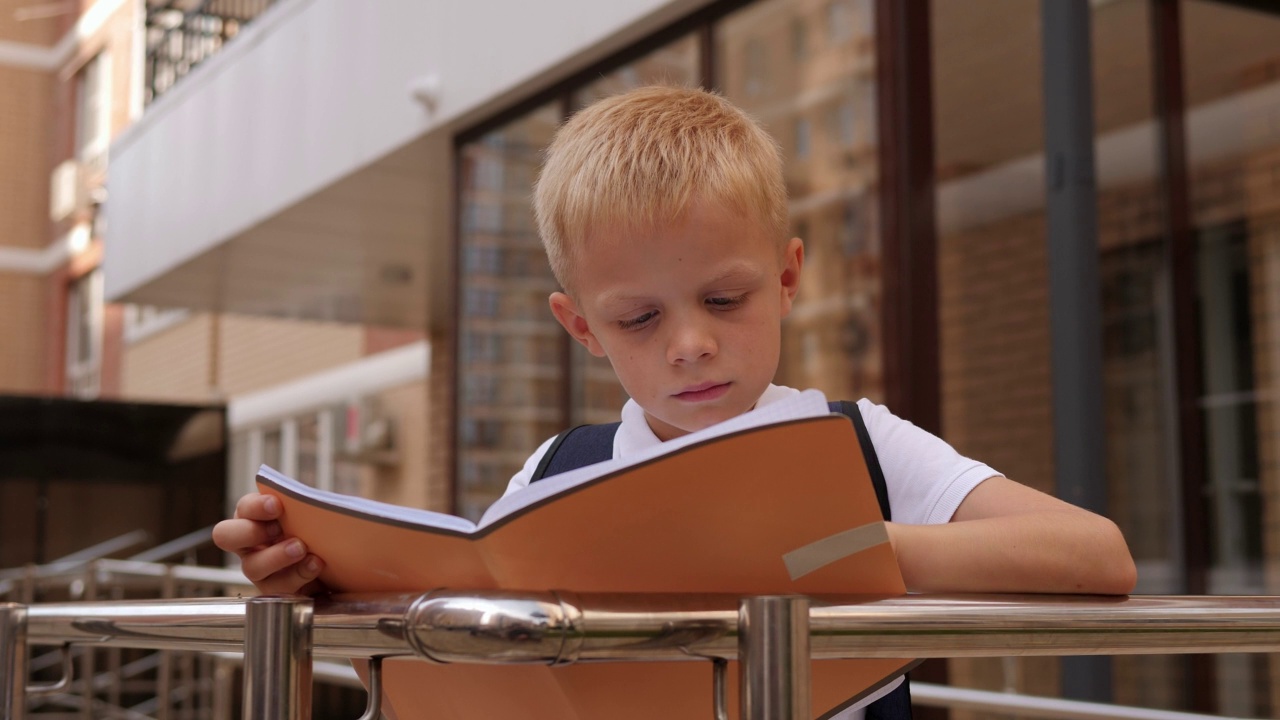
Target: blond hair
[[638, 160]]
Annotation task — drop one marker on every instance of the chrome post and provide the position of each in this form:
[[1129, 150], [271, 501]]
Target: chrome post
[[13, 661], [277, 659], [88, 654], [773, 657], [164, 676]]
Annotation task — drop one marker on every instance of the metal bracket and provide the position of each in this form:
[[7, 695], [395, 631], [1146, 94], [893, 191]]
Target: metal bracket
[[373, 710], [719, 668], [63, 683]]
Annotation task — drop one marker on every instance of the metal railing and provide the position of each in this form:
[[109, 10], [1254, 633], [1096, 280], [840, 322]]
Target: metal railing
[[774, 638], [183, 33], [115, 682]]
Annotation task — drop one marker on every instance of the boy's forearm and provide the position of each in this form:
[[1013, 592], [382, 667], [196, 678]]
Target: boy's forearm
[[1045, 552]]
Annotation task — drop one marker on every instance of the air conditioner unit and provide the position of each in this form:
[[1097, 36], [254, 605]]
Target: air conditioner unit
[[66, 190], [72, 189], [368, 436]]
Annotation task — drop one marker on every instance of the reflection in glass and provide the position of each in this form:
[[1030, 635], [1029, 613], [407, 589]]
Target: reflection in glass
[[1232, 90], [510, 349], [814, 90], [597, 395], [992, 274]]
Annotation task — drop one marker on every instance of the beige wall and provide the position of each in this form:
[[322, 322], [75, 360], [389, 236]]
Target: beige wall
[[208, 357], [255, 352], [42, 31], [174, 365], [405, 483]]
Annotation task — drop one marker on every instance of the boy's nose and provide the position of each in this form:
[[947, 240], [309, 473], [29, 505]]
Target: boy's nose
[[689, 343]]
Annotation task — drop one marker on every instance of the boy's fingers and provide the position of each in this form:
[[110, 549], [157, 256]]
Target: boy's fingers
[[240, 535], [259, 565], [256, 506], [299, 578]]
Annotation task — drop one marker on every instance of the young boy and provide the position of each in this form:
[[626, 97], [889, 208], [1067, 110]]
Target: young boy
[[664, 216]]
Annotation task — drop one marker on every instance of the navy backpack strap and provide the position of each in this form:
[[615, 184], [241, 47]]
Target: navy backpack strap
[[850, 410], [897, 704], [590, 444], [894, 706]]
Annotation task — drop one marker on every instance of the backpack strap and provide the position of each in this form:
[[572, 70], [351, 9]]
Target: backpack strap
[[850, 410], [591, 444]]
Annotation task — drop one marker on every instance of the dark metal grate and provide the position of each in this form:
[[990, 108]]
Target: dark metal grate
[[183, 33]]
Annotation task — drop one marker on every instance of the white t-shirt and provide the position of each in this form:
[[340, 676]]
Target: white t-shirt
[[926, 478]]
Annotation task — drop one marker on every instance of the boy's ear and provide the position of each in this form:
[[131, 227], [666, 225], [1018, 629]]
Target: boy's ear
[[574, 322], [792, 263]]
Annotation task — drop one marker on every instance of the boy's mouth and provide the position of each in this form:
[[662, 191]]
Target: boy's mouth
[[703, 392]]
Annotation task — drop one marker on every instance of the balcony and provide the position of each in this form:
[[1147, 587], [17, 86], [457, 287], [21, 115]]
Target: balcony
[[183, 33], [305, 169]]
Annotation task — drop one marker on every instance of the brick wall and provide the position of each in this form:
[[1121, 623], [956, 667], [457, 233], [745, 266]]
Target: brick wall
[[33, 31], [22, 321], [25, 115], [25, 162]]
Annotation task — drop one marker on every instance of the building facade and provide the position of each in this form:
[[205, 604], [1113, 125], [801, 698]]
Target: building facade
[[326, 226]]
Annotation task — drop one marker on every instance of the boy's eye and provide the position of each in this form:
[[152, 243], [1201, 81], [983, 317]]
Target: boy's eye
[[724, 303], [636, 322]]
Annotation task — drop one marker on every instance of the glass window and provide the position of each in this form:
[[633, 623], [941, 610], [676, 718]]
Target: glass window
[[803, 138], [93, 94], [84, 335], [799, 39], [517, 369], [496, 404], [1232, 86], [996, 402], [831, 340]]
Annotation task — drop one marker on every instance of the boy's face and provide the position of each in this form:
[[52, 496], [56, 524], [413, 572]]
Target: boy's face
[[689, 314]]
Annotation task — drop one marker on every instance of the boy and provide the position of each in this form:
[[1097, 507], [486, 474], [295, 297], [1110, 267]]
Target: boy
[[664, 216]]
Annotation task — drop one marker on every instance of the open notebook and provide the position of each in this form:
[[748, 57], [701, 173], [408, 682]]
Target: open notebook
[[777, 500]]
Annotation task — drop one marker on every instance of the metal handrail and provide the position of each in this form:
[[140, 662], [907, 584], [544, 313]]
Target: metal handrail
[[109, 570], [562, 627]]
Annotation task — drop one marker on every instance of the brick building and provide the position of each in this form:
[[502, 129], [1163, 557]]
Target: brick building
[[338, 246]]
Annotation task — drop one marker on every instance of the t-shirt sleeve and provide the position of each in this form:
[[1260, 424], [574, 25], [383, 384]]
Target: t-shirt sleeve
[[521, 479], [927, 479]]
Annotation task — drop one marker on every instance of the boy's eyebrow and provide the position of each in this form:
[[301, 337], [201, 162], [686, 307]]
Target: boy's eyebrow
[[737, 271]]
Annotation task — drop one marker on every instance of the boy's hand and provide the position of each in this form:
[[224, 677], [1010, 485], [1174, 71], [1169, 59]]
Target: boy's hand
[[273, 563]]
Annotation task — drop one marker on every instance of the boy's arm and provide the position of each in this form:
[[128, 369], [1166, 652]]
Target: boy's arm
[[1007, 537]]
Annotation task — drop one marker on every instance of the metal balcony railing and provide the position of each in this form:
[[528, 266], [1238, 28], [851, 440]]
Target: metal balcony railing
[[774, 638], [183, 33]]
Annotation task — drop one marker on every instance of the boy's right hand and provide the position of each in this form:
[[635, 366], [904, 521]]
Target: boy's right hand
[[273, 563]]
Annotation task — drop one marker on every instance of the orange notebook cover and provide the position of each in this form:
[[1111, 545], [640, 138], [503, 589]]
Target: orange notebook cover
[[778, 509]]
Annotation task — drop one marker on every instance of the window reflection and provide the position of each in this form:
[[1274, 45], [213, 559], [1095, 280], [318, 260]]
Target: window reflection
[[597, 395], [1232, 86], [510, 355], [815, 92], [517, 369]]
